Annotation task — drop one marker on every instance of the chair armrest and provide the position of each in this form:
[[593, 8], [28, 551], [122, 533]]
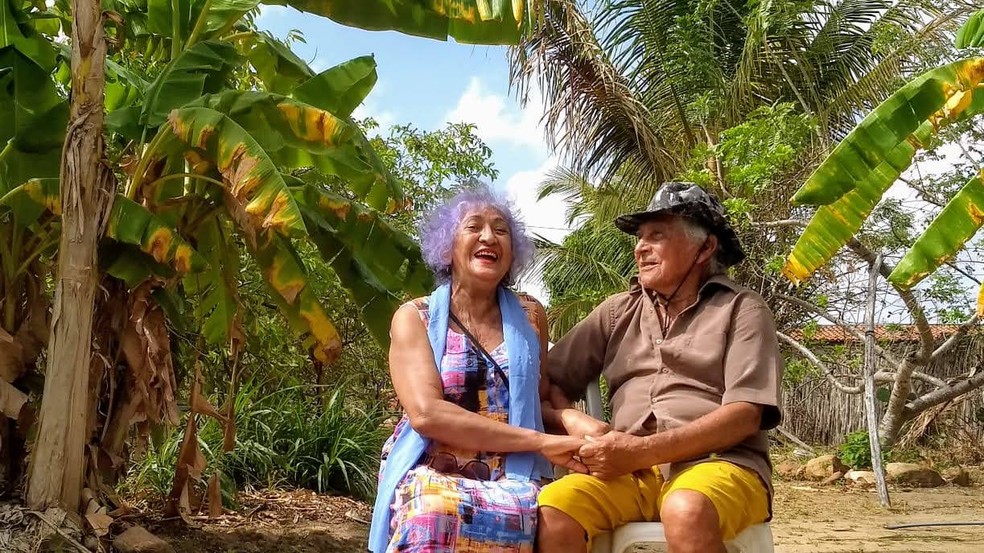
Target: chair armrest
[[592, 398]]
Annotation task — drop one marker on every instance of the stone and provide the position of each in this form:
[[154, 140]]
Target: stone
[[824, 466], [911, 474], [789, 470], [956, 476], [861, 477], [138, 540]]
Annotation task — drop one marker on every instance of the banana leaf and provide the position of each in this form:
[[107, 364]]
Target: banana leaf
[[34, 113], [854, 177], [223, 14], [131, 223], [279, 68], [971, 34], [378, 264], [199, 70], [160, 19], [297, 135], [950, 230], [340, 89], [468, 21], [218, 307], [261, 200], [17, 32], [32, 199], [287, 278]]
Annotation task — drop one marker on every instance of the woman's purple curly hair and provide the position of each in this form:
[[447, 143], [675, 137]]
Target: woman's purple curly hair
[[439, 227]]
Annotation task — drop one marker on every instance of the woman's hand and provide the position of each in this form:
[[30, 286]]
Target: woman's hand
[[561, 451], [581, 425]]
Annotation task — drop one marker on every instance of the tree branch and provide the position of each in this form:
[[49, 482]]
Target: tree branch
[[955, 338], [884, 354], [921, 358], [812, 358], [941, 395]]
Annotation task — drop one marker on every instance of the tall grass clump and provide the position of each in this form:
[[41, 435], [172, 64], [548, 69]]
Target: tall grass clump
[[291, 436]]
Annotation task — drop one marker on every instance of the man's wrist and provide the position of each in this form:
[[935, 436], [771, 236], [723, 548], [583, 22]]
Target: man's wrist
[[650, 450]]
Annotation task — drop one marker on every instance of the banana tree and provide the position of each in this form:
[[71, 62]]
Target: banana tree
[[852, 181], [208, 120]]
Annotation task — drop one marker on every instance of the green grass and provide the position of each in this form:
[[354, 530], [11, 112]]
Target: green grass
[[288, 437]]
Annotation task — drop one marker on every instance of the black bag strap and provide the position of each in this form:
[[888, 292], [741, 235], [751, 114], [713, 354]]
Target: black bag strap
[[475, 342]]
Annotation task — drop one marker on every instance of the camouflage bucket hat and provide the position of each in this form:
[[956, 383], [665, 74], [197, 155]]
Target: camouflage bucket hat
[[689, 200]]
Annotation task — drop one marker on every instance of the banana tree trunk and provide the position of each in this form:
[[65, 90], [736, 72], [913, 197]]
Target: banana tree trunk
[[56, 468]]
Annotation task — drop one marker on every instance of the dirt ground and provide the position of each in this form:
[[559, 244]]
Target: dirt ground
[[847, 519], [808, 519]]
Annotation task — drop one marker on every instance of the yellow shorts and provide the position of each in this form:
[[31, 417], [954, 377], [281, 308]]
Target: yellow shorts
[[600, 506]]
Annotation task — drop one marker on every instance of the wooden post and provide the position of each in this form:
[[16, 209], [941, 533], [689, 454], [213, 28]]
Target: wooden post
[[57, 463], [870, 405]]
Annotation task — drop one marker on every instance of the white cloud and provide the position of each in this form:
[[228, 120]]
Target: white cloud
[[384, 117], [545, 217], [270, 13], [498, 118]]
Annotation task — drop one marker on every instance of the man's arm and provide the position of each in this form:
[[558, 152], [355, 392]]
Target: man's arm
[[618, 453], [576, 360]]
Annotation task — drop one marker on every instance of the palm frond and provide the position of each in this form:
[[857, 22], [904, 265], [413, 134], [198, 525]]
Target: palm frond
[[592, 117]]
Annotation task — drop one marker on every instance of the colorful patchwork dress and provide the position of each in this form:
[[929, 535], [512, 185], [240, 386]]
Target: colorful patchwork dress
[[434, 512]]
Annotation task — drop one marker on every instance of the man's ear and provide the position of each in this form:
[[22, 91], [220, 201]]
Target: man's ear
[[708, 250]]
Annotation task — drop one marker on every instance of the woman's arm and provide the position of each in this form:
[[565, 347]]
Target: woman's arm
[[418, 385]]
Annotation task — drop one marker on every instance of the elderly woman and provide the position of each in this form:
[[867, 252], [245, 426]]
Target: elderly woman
[[464, 465]]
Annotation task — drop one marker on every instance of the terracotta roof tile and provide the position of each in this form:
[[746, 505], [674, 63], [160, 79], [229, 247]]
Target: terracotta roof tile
[[883, 333]]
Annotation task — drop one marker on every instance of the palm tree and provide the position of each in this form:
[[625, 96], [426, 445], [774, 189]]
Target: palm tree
[[633, 87], [640, 91]]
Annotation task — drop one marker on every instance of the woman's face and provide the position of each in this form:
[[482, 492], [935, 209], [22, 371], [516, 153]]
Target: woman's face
[[482, 246]]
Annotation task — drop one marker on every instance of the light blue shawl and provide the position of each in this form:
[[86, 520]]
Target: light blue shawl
[[523, 349]]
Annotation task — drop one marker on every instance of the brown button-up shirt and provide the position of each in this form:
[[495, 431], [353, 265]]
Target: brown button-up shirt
[[721, 350]]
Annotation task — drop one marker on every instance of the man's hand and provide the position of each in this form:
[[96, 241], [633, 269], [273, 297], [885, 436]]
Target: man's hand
[[560, 451], [613, 454], [581, 425]]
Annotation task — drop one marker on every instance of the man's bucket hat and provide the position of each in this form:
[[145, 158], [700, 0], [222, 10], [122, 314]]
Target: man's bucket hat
[[689, 200]]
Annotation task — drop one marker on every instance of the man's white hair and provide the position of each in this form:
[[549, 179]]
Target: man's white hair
[[697, 233]]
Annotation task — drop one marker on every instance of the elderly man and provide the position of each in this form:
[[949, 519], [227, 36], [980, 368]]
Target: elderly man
[[693, 369]]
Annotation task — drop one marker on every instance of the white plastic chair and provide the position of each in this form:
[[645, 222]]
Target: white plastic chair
[[755, 539]]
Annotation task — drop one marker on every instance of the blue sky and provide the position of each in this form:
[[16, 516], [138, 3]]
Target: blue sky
[[428, 83]]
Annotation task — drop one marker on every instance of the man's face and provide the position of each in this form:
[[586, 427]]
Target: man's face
[[664, 254]]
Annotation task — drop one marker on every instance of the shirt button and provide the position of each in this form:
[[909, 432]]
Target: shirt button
[[653, 401], [659, 341]]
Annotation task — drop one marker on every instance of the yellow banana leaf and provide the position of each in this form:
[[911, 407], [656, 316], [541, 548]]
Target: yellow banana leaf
[[286, 276], [469, 21], [377, 263], [253, 183], [295, 134], [131, 223], [950, 230], [853, 178]]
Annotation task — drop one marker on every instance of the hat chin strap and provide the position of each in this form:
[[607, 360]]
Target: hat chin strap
[[666, 303]]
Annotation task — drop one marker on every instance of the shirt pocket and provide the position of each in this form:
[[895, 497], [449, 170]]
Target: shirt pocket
[[699, 358]]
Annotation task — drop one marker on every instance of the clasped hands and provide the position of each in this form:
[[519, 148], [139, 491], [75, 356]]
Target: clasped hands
[[591, 447]]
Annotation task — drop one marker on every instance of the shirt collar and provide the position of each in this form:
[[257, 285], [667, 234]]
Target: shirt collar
[[635, 288]]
